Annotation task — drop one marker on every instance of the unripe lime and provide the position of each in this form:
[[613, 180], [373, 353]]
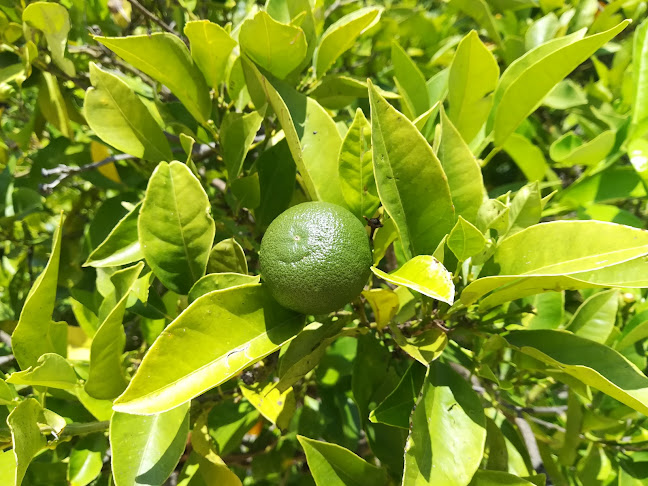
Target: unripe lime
[[315, 257]]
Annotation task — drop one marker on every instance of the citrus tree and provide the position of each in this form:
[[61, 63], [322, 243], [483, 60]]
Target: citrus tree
[[323, 242]]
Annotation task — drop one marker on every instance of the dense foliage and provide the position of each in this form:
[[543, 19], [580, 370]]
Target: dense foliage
[[498, 154]]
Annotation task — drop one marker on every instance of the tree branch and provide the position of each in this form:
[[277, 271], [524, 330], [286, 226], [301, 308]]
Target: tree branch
[[151, 16]]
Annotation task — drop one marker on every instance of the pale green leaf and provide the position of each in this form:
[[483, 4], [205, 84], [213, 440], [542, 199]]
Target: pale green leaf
[[425, 274], [531, 77], [278, 48], [463, 172], [275, 405], [146, 449], [566, 94], [53, 106], [227, 256], [424, 347], [448, 431], [35, 334], [121, 246], [501, 478], [481, 12], [595, 318], [332, 465], [411, 83], [51, 371], [211, 46], [356, 169], [165, 58], [25, 435], [337, 91], [237, 133], [106, 378], [570, 150], [254, 323], [410, 179], [310, 131], [638, 154], [53, 20], [118, 116], [175, 228], [220, 281], [86, 459], [341, 36], [592, 363], [528, 157], [384, 303], [465, 240], [474, 74]]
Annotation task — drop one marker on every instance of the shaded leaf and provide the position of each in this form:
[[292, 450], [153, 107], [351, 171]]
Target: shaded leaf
[[86, 459], [227, 256], [332, 465], [411, 83], [51, 371], [237, 133], [595, 318], [528, 157], [25, 435]]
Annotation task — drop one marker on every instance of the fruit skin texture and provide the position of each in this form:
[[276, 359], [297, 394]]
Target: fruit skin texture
[[315, 257]]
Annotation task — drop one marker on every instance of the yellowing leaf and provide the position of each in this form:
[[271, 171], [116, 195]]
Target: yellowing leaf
[[99, 152]]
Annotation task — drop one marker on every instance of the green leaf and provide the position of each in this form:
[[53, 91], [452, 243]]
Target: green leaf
[[448, 431], [220, 281], [549, 311], [337, 91], [410, 180], [356, 169], [425, 274], [528, 157], [592, 363], [35, 334], [175, 228], [595, 318], [86, 459], [278, 48], [463, 172], [121, 246], [500, 478], [566, 94], [118, 116], [474, 74], [106, 378], [525, 209], [228, 423], [255, 325], [227, 256], [311, 134], [211, 46], [570, 150], [411, 83], [165, 58], [53, 20], [305, 351], [341, 36], [25, 435], [395, 410], [332, 465], [146, 449], [531, 77], [51, 371], [465, 240], [640, 74]]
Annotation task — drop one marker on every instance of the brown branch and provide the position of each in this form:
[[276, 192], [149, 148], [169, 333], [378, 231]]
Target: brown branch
[[151, 16]]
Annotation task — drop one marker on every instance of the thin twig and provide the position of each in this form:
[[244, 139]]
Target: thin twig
[[65, 171], [529, 441], [151, 16]]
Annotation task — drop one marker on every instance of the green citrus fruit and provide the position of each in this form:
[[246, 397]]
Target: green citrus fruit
[[315, 257]]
